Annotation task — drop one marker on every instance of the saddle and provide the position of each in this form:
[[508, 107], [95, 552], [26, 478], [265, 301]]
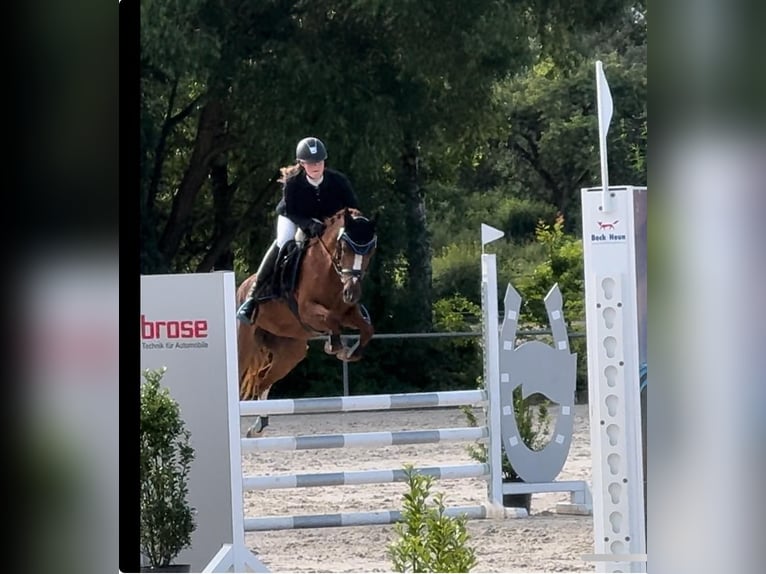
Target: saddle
[[281, 281]]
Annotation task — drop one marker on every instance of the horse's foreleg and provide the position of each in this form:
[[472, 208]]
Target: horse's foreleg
[[333, 345], [319, 317], [355, 320]]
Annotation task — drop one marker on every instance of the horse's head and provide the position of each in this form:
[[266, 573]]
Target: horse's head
[[356, 241]]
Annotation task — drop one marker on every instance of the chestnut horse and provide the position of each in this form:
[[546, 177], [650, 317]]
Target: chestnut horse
[[323, 299]]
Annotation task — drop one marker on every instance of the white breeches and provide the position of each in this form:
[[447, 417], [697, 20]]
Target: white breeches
[[285, 230]]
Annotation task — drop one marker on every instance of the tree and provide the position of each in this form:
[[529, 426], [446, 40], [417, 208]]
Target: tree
[[549, 134], [417, 103]]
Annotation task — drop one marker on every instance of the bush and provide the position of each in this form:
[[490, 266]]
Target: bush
[[429, 541], [458, 211], [166, 519], [520, 221], [456, 270], [458, 359], [563, 264]]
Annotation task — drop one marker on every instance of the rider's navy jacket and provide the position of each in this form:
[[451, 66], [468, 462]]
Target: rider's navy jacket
[[301, 201]]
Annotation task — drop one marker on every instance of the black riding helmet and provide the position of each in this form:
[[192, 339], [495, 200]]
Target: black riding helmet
[[310, 149]]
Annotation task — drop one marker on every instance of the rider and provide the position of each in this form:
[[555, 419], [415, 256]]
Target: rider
[[310, 193]]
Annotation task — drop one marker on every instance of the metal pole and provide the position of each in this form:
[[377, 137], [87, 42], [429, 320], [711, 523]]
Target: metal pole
[[345, 373], [345, 378]]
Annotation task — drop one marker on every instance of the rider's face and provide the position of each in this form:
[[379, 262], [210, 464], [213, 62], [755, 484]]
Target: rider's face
[[313, 169]]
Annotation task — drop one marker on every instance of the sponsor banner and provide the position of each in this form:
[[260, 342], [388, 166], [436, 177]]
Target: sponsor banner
[[188, 325]]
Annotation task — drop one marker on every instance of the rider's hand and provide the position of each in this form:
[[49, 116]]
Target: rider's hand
[[315, 228]]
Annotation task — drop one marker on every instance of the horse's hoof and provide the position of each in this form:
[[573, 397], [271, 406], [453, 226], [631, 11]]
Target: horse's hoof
[[256, 429], [348, 356], [328, 348]]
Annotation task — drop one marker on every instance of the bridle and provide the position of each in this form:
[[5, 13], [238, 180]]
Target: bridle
[[360, 249]]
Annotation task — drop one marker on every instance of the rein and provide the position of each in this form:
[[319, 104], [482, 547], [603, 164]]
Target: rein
[[333, 259]]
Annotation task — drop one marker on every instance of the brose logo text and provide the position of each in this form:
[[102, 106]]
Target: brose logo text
[[186, 329]]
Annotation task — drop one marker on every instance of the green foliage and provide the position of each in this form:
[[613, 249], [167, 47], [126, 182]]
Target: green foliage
[[458, 358], [456, 313], [533, 421], [167, 520], [549, 139], [523, 214], [429, 540], [457, 214], [457, 270], [563, 265]]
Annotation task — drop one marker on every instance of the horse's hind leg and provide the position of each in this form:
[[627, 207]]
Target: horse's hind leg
[[284, 355], [259, 378], [256, 384], [261, 421]]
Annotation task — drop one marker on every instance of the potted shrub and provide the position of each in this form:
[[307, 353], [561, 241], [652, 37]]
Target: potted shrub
[[167, 520], [533, 421]]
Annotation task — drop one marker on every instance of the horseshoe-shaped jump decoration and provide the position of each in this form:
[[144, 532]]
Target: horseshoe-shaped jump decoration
[[537, 368]]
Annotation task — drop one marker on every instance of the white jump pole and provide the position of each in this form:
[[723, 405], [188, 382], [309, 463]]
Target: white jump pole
[[492, 363]]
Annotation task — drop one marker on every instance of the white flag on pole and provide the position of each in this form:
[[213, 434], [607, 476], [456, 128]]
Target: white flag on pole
[[489, 234], [605, 108]]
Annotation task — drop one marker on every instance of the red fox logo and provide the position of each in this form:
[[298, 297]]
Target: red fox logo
[[607, 225]]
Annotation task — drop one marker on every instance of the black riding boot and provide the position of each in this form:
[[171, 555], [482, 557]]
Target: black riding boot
[[245, 311]]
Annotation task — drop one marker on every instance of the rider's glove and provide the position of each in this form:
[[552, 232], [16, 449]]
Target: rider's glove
[[315, 228]]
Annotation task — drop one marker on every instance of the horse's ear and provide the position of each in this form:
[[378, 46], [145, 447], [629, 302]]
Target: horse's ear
[[346, 217]]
